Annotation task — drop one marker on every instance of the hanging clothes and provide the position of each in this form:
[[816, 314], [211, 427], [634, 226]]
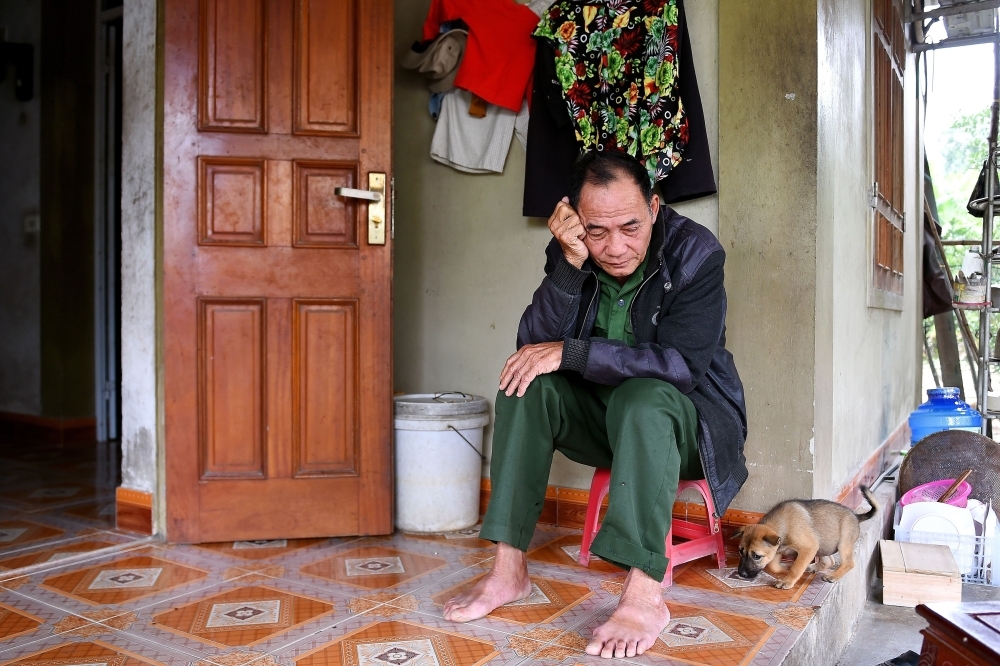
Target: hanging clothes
[[617, 63], [499, 54], [552, 135], [552, 148], [473, 144], [539, 7]]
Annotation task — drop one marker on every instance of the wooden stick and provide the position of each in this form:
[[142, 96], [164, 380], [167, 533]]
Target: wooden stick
[[953, 487]]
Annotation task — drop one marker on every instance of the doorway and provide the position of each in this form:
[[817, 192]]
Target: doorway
[[108, 221], [60, 451]]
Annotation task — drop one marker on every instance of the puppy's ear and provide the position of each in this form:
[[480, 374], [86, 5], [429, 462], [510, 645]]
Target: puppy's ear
[[772, 539], [738, 534]]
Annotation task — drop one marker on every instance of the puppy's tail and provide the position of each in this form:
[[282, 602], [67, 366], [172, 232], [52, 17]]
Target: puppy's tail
[[866, 491]]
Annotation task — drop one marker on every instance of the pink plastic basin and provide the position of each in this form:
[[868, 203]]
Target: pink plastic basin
[[931, 492]]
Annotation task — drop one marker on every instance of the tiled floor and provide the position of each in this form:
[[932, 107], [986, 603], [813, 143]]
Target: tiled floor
[[369, 602], [56, 501]]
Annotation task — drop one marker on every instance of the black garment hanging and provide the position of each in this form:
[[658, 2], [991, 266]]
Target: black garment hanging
[[552, 146]]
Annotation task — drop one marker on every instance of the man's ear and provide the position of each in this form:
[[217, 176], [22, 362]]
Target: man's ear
[[773, 539], [654, 206]]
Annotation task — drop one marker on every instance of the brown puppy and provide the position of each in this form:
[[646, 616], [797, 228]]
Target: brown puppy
[[810, 528]]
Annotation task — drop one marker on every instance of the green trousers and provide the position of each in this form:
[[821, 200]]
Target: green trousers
[[645, 430]]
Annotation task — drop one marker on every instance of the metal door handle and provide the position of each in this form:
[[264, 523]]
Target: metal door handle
[[375, 196], [352, 193]]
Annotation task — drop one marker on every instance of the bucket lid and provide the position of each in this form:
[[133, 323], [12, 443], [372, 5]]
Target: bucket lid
[[447, 404]]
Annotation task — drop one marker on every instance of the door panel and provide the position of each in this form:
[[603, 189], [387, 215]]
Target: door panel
[[231, 65], [231, 346], [321, 217], [327, 384], [276, 311], [326, 67], [231, 201]]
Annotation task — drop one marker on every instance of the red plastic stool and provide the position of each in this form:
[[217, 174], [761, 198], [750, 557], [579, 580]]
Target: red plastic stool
[[701, 540]]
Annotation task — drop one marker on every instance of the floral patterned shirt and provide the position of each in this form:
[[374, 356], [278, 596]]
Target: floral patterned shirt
[[617, 63]]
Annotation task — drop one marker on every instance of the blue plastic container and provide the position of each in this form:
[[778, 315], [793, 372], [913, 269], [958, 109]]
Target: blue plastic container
[[944, 410]]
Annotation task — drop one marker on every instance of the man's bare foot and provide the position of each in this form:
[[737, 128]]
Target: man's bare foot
[[637, 621], [507, 581]]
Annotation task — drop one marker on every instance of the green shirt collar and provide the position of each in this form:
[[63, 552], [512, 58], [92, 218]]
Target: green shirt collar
[[633, 281]]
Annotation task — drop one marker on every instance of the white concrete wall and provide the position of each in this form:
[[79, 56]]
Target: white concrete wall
[[139, 312], [466, 261], [828, 377], [20, 285], [865, 362], [767, 223]]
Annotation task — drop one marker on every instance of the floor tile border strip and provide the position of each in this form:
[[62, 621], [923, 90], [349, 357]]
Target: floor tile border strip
[[41, 567]]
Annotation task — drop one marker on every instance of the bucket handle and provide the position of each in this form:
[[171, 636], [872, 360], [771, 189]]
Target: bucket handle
[[471, 445], [444, 393]]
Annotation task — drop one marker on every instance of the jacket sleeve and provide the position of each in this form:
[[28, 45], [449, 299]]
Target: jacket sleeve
[[552, 314], [687, 336]]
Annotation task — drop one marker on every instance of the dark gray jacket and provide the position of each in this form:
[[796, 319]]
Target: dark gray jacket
[[678, 317]]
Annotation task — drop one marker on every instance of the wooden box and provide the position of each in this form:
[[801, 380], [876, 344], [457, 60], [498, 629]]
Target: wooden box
[[918, 573]]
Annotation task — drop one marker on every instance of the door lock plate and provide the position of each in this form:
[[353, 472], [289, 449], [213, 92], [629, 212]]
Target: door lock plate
[[376, 210]]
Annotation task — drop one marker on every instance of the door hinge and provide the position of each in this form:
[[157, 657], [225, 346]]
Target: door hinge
[[873, 195]]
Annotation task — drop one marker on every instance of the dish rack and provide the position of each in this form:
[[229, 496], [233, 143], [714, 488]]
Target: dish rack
[[978, 557]]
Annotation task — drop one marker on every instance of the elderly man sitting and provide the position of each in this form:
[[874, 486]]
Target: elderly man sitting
[[621, 363]]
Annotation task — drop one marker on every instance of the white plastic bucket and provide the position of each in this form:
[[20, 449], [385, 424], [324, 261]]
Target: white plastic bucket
[[439, 440]]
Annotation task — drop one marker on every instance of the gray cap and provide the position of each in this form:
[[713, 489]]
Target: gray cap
[[439, 62]]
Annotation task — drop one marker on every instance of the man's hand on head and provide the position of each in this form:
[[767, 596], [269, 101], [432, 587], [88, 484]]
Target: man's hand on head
[[568, 229], [527, 363]]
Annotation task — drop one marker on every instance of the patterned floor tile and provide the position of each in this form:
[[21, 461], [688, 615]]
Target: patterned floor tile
[[54, 553], [549, 599], [122, 580], [408, 643], [694, 635], [15, 534], [374, 567], [94, 652], [258, 550], [196, 621], [463, 538], [26, 624], [14, 622], [425, 606], [245, 616], [565, 551], [703, 575], [101, 512], [50, 494]]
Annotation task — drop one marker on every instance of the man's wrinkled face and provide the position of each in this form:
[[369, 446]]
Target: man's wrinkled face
[[619, 224]]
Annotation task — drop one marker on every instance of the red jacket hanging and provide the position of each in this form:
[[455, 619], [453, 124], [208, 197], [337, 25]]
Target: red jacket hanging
[[500, 52]]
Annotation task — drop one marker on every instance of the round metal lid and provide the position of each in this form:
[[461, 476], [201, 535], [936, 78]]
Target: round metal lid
[[448, 404]]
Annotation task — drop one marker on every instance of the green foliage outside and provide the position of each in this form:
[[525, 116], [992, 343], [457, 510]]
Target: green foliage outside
[[954, 172]]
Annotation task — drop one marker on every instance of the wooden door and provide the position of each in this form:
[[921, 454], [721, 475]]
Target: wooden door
[[276, 308]]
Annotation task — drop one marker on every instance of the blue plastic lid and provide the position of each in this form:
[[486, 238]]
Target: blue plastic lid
[[952, 392]]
